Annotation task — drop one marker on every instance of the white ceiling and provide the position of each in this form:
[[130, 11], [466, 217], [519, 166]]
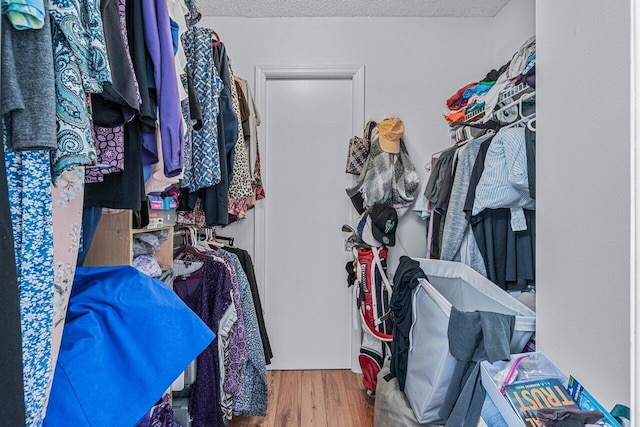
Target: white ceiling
[[349, 8]]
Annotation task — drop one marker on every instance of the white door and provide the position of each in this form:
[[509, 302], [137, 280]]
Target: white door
[[307, 304]]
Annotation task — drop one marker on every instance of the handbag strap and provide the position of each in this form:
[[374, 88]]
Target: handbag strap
[[368, 129]]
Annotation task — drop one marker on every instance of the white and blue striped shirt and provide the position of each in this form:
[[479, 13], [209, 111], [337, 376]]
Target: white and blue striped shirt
[[504, 182]]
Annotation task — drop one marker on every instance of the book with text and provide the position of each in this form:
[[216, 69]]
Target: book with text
[[587, 402], [527, 397]]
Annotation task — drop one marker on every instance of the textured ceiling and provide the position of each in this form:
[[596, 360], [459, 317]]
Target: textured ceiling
[[348, 8]]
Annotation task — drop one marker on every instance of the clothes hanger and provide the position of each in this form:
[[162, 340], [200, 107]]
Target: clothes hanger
[[190, 244], [211, 240], [217, 41], [531, 125], [197, 244]]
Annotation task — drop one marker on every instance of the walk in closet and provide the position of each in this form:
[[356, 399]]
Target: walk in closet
[[250, 143]]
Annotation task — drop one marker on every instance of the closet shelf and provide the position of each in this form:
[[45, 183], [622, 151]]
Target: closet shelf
[[476, 115], [113, 242], [514, 93]]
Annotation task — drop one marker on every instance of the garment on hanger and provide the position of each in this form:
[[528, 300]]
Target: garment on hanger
[[28, 88], [214, 200], [457, 222], [440, 207], [252, 125], [247, 266], [253, 395], [140, 58], [504, 182], [203, 165], [67, 202], [509, 255], [158, 39], [109, 146], [208, 294], [119, 100], [29, 185], [110, 109], [235, 351], [177, 14], [240, 187], [122, 190], [228, 131], [81, 66], [432, 191]]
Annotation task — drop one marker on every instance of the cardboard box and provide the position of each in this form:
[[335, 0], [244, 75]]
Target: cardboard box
[[161, 218], [489, 370], [161, 211]]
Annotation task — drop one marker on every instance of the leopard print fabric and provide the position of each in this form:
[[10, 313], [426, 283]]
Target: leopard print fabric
[[240, 187]]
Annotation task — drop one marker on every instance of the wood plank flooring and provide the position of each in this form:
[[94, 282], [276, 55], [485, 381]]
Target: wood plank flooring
[[332, 398]]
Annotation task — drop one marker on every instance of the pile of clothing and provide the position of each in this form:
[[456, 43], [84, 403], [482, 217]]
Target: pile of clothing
[[469, 98], [485, 94]]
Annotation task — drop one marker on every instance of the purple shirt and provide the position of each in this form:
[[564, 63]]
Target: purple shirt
[[238, 352], [157, 35], [208, 293]]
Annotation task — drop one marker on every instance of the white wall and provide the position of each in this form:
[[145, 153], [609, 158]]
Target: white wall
[[512, 26], [583, 201], [412, 66]]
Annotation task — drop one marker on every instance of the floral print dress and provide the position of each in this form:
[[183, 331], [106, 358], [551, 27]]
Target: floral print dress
[[28, 181]]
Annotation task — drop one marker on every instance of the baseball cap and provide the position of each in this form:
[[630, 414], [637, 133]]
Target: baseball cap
[[377, 226], [389, 133], [384, 222]]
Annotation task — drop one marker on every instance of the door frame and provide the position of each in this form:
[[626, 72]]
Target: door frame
[[635, 210], [264, 73]]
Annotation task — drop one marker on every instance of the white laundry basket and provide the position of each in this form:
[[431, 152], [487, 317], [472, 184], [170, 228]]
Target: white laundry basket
[[430, 365]]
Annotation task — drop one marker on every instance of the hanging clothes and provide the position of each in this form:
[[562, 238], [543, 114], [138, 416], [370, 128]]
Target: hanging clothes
[[25, 15], [504, 182], [240, 187], [28, 179], [247, 267], [457, 223], [234, 351], [509, 256], [122, 190], [109, 145], [204, 158], [251, 133], [80, 64], [208, 293], [28, 87], [252, 397], [67, 205], [119, 100], [140, 58], [387, 178], [158, 39]]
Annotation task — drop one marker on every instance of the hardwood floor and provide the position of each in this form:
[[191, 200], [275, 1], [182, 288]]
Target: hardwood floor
[[334, 398]]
